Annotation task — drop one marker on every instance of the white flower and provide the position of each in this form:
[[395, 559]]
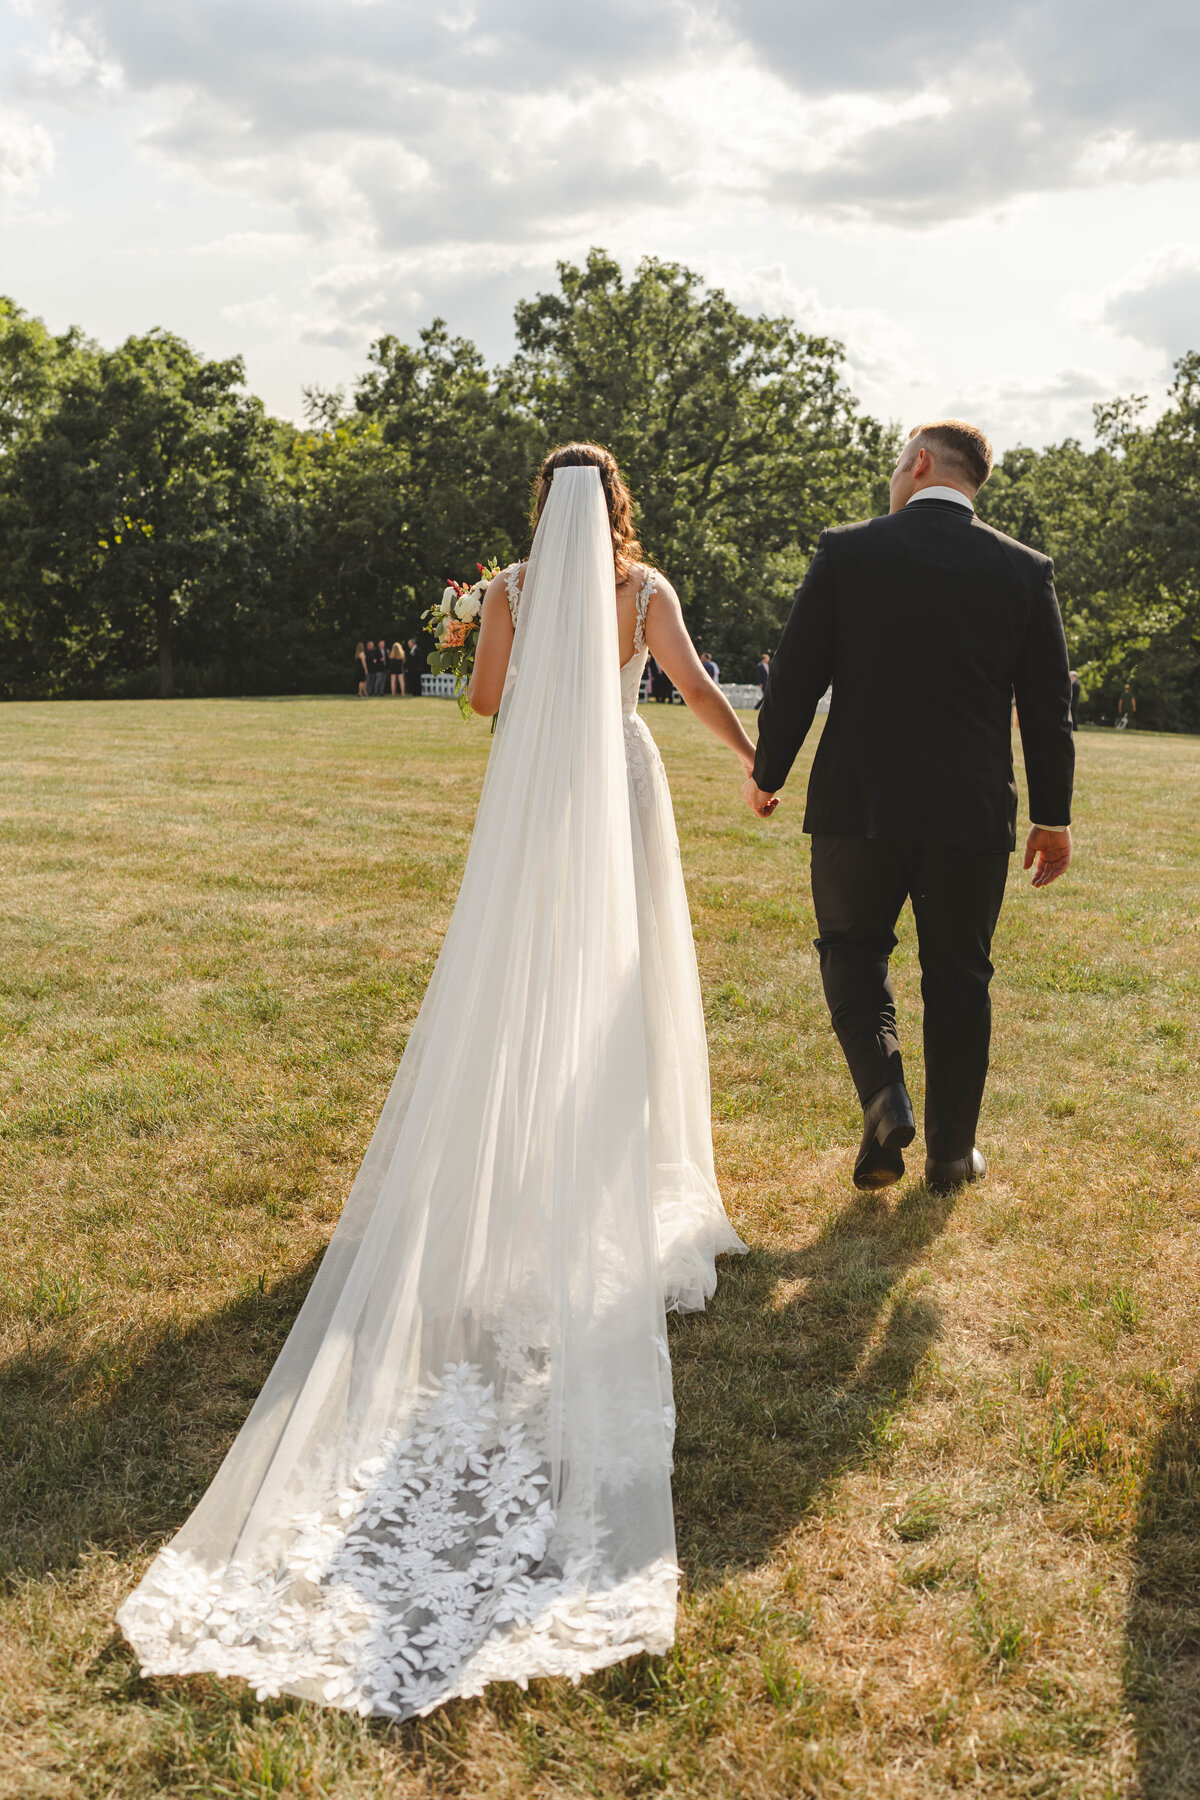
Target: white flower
[[469, 604], [448, 599]]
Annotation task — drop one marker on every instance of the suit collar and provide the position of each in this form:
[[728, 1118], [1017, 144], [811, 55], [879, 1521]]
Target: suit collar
[[947, 495], [947, 507]]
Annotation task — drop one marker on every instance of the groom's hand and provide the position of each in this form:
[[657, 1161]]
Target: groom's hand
[[758, 802], [1052, 851]]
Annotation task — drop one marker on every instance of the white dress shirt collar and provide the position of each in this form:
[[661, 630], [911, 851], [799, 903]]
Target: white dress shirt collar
[[941, 493]]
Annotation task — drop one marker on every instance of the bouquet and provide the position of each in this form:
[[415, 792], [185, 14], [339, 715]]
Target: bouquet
[[454, 625]]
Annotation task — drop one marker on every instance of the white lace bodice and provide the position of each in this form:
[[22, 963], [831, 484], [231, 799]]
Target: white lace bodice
[[631, 671]]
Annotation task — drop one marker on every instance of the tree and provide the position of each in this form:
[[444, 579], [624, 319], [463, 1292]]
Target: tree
[[33, 365], [350, 571], [738, 435], [466, 451], [135, 505], [1160, 540], [1070, 503], [1121, 522]]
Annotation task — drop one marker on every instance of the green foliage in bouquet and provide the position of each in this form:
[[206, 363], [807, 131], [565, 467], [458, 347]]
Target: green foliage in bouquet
[[454, 626]]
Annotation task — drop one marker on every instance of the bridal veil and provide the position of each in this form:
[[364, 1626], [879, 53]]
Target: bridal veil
[[459, 1468]]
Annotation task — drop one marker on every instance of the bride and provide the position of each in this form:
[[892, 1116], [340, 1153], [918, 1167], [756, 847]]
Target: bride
[[458, 1470]]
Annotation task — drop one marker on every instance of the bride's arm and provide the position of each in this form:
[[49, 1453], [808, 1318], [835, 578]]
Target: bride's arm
[[492, 651], [674, 652]]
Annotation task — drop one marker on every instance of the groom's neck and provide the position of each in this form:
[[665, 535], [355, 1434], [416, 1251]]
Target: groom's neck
[[938, 478]]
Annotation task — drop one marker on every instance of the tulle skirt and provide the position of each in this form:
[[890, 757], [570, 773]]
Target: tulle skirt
[[690, 1220]]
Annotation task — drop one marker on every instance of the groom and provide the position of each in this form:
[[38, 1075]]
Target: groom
[[915, 798]]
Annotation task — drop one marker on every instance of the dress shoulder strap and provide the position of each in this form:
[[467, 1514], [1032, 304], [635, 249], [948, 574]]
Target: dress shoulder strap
[[512, 587], [644, 595]]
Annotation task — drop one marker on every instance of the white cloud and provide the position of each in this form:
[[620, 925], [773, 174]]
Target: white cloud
[[881, 356], [1158, 303], [1030, 409], [26, 155], [251, 244], [407, 123], [922, 186]]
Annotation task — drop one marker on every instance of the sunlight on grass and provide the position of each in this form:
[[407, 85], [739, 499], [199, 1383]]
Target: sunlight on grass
[[938, 1461]]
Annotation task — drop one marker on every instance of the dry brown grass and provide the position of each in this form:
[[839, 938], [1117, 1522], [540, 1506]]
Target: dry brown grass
[[938, 1477]]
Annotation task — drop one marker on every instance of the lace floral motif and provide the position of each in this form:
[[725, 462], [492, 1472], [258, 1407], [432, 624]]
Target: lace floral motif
[[644, 596], [648, 776], [512, 587], [431, 1572]]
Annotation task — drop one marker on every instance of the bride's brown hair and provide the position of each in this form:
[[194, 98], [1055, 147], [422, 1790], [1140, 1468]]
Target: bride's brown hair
[[626, 548]]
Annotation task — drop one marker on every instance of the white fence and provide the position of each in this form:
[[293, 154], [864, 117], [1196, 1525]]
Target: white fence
[[437, 687], [742, 695]]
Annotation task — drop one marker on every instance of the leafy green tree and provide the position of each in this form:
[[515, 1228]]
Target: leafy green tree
[[33, 365], [464, 453], [737, 435], [1070, 503], [1160, 541], [1122, 525], [135, 509], [350, 572]]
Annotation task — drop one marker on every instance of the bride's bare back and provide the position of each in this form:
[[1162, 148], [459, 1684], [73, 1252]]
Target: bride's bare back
[[666, 638]]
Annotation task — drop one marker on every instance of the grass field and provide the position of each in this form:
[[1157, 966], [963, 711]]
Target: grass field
[[938, 1462]]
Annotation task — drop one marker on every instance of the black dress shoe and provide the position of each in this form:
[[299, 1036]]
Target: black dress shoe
[[944, 1177], [888, 1128]]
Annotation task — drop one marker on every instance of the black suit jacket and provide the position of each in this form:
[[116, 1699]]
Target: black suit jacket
[[927, 623]]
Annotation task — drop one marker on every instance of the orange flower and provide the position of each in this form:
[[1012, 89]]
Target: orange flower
[[455, 635]]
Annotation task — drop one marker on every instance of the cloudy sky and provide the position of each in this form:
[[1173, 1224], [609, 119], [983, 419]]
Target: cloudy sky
[[996, 208]]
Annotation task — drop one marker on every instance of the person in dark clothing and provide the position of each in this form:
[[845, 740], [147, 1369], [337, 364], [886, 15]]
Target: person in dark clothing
[[1126, 708], [921, 805], [395, 668], [1076, 691], [415, 665], [362, 673], [377, 662], [761, 675]]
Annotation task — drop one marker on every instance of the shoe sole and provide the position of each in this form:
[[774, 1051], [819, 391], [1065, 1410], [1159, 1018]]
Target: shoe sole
[[952, 1187], [872, 1174]]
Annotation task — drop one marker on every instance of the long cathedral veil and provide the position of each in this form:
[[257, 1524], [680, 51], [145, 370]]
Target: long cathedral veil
[[459, 1468]]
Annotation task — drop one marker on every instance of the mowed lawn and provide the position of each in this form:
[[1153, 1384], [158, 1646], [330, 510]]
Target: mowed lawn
[[938, 1461]]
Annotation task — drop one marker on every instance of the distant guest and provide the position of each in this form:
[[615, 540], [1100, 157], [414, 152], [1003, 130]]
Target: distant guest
[[760, 678], [378, 668], [415, 667], [710, 667], [361, 672], [1076, 691], [1126, 709], [395, 668]]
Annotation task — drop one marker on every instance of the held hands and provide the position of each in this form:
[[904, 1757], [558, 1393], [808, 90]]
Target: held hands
[[763, 805], [1052, 849]]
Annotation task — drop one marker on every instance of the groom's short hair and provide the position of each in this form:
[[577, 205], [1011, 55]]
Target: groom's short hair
[[960, 443]]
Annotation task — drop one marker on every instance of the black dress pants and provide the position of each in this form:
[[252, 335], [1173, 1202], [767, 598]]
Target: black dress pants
[[859, 886]]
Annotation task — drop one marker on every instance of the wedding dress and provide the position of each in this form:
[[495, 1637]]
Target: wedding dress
[[458, 1470]]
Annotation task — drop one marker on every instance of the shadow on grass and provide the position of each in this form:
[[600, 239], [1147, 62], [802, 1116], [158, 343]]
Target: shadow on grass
[[110, 1443], [785, 1383], [777, 1393], [1162, 1659]]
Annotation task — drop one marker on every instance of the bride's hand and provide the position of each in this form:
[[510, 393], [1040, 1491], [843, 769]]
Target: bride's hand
[[760, 803]]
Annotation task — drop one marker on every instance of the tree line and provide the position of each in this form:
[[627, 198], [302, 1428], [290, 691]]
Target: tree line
[[163, 534]]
